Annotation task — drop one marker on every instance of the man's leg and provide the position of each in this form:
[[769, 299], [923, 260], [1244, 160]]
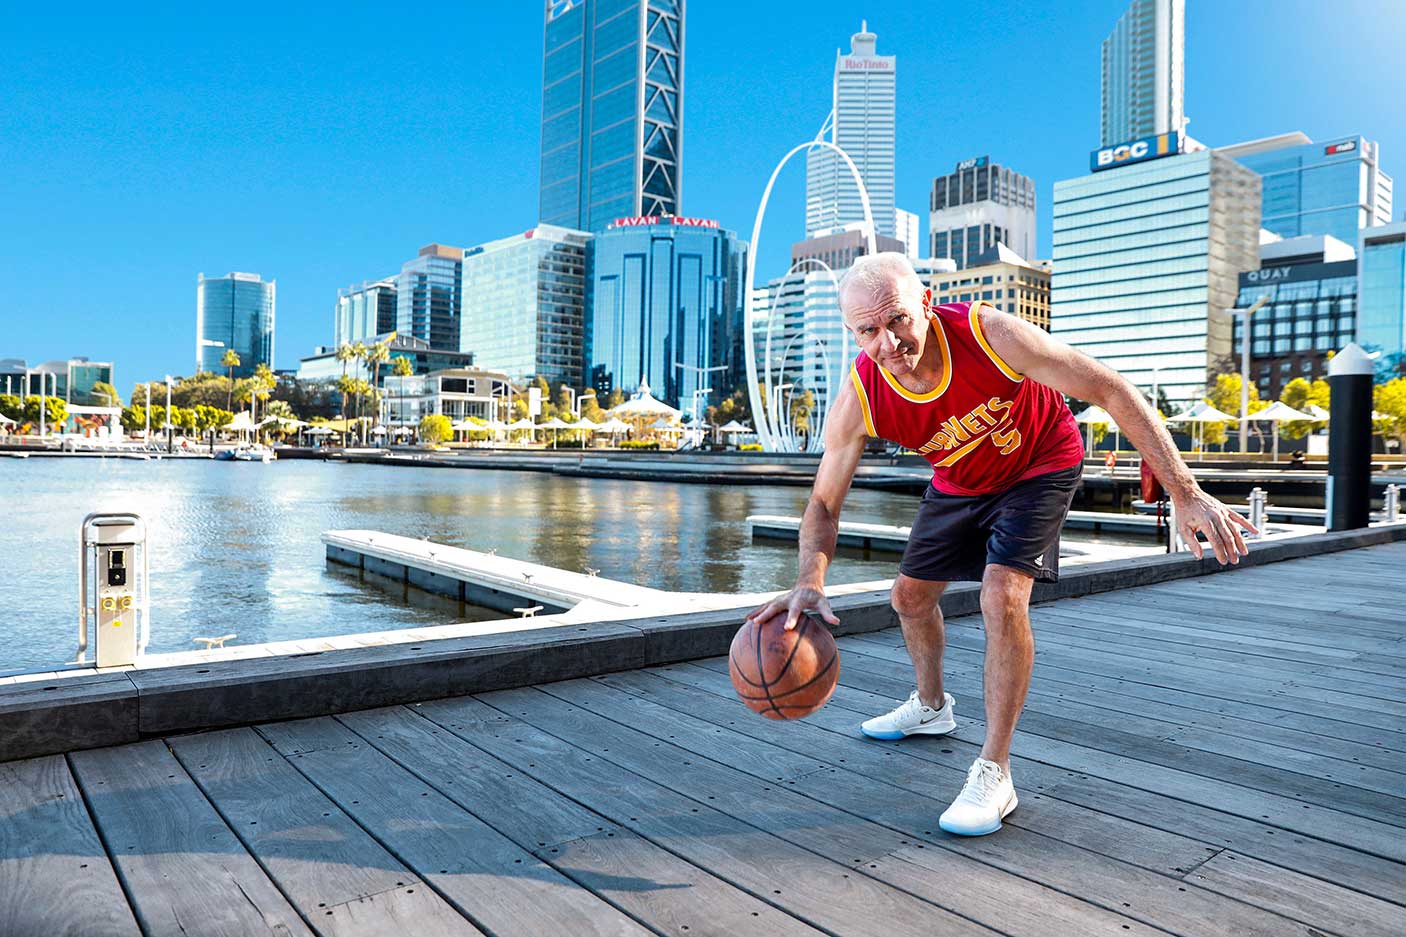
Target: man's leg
[[1010, 656], [916, 602]]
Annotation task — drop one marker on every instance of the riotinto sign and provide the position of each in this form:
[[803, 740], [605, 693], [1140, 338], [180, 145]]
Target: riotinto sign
[[1164, 144]]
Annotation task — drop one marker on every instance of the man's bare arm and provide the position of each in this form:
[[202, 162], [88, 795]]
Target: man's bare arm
[[820, 525], [1031, 351]]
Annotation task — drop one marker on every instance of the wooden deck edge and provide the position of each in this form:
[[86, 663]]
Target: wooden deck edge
[[115, 708]]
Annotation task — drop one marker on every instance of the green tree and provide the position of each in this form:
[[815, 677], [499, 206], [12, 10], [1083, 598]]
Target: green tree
[[345, 353], [435, 428], [133, 418], [1300, 394], [229, 362], [55, 411], [106, 394], [402, 367], [519, 409], [614, 399], [591, 409], [11, 407], [564, 404], [1389, 399], [1224, 395], [263, 384], [208, 418]]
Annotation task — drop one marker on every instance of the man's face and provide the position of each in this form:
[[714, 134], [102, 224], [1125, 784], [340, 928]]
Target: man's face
[[891, 327]]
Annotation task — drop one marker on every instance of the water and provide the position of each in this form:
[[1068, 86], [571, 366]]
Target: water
[[235, 546]]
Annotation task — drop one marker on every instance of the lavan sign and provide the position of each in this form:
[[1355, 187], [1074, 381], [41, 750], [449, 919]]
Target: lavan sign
[[1164, 144], [639, 221]]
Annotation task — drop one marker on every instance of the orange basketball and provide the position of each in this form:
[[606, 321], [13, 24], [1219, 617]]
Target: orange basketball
[[784, 674]]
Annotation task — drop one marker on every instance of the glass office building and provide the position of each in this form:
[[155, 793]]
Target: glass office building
[[801, 338], [978, 205], [234, 311], [664, 304], [1330, 188], [322, 364], [427, 294], [861, 123], [364, 312], [1146, 261], [525, 304], [612, 111], [1381, 320], [71, 379], [1144, 72], [1310, 288]]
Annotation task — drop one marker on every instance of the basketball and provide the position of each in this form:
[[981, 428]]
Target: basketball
[[784, 674]]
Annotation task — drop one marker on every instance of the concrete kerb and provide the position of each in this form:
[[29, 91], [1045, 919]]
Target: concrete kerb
[[45, 717]]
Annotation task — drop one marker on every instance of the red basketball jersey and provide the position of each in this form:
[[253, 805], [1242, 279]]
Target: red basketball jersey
[[984, 427]]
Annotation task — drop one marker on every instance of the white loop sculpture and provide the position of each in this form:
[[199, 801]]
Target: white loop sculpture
[[773, 430]]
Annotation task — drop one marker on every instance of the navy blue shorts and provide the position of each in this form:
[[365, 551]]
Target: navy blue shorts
[[955, 537]]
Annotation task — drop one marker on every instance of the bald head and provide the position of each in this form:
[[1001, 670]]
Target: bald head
[[875, 278]]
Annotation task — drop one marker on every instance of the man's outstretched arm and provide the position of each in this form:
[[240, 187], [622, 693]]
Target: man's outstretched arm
[[1033, 352], [820, 525]]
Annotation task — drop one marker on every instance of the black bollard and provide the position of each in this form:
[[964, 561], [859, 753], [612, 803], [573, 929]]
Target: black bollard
[[1349, 495]]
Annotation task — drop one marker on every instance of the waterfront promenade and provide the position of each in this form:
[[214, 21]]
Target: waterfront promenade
[[1222, 755]]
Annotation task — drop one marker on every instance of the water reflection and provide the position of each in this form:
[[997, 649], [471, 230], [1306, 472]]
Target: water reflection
[[236, 546]]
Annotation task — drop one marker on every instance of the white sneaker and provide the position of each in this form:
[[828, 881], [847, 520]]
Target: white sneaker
[[985, 800], [912, 718]]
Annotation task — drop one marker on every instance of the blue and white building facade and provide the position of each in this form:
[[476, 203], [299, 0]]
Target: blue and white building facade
[[1144, 72], [524, 304], [1381, 317], [235, 311], [427, 294], [664, 305], [1147, 255], [612, 111], [861, 123], [364, 312]]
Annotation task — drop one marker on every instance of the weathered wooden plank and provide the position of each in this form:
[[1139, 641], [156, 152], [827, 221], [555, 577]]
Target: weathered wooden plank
[[1329, 861], [819, 891], [1023, 908], [499, 885], [648, 882], [1355, 788], [57, 713], [1085, 748], [1136, 694], [55, 877], [327, 865], [183, 869], [1325, 905]]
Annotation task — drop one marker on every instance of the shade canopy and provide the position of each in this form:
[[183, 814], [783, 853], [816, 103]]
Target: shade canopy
[[555, 423], [645, 404], [495, 426], [1203, 412], [1317, 412], [1278, 412], [320, 431], [523, 423], [733, 426], [1093, 413], [583, 423], [379, 431], [613, 425], [242, 421], [5, 419], [403, 431]]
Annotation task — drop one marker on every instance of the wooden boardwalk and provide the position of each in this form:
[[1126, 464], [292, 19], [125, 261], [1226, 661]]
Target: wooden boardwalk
[[1214, 756]]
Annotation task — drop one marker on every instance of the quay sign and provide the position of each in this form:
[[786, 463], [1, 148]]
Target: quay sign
[[639, 221], [1164, 144]]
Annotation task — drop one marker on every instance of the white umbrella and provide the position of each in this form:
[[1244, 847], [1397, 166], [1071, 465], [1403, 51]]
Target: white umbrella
[[734, 427], [403, 431], [495, 426], [379, 431], [523, 423], [1202, 412], [555, 424], [5, 419], [464, 425], [1318, 413], [1092, 414], [644, 404], [241, 422], [583, 423], [1276, 413], [320, 431]]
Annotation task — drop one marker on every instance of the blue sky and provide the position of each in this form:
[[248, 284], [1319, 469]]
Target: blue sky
[[323, 144]]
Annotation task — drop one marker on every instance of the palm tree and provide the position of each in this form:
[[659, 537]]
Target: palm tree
[[379, 354], [344, 354], [230, 361], [359, 356]]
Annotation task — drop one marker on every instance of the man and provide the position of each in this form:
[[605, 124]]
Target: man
[[978, 392]]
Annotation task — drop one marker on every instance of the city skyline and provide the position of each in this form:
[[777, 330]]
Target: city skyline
[[126, 148]]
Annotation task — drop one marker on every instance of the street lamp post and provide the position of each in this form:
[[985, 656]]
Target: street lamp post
[[1245, 370], [170, 446], [700, 372], [699, 394]]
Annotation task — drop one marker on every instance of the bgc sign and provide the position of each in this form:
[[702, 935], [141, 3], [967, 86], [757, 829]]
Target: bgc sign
[[1164, 144]]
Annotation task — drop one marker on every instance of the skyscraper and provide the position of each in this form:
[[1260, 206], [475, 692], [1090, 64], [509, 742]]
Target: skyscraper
[[524, 304], [234, 311], [861, 123], [1144, 72], [1331, 188], [1381, 292], [1147, 256], [612, 111], [427, 294], [665, 307], [978, 204], [364, 311]]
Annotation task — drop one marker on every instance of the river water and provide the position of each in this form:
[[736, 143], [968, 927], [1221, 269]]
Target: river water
[[235, 546]]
